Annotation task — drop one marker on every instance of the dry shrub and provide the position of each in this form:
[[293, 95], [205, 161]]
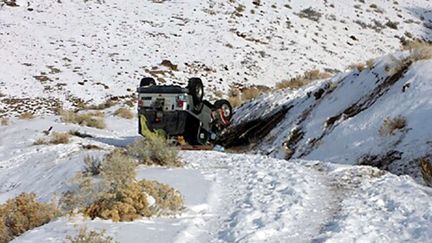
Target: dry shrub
[[26, 116], [302, 80], [123, 204], [5, 236], [40, 141], [4, 121], [90, 236], [235, 101], [96, 113], [391, 125], [116, 170], [24, 213], [370, 63], [92, 166], [426, 170], [117, 195], [124, 113], [91, 119], [59, 138], [154, 150], [55, 138], [250, 93], [357, 66], [167, 199], [236, 97], [130, 102], [408, 45], [419, 50], [104, 105]]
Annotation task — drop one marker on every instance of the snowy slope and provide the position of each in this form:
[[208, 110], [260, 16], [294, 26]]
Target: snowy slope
[[64, 50], [342, 125], [228, 197]]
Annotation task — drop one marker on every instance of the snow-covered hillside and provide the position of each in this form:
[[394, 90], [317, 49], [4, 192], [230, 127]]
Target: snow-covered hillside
[[339, 120], [228, 197], [64, 50], [304, 176]]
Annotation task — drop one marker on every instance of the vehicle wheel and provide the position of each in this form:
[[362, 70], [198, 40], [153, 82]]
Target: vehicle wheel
[[226, 108], [147, 82], [196, 90]]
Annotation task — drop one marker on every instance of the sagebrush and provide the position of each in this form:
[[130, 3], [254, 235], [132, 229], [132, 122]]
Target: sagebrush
[[238, 96], [54, 138], [302, 80], [155, 150], [124, 113], [117, 195], [4, 121], [26, 116], [426, 171], [392, 124], [90, 119], [24, 213], [90, 236]]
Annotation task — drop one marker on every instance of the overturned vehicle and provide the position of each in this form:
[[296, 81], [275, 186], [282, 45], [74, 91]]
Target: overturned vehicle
[[181, 112]]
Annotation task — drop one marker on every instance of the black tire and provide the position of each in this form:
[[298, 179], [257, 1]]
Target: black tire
[[226, 108], [147, 82], [196, 90]]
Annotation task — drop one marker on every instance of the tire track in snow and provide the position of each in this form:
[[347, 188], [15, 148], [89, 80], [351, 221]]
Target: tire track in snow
[[266, 199]]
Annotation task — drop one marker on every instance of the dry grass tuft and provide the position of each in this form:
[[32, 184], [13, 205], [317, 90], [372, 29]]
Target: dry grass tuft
[[357, 66], [302, 80], [26, 116], [59, 138], [90, 236], [124, 113], [236, 97], [23, 213], [90, 119], [4, 121], [55, 138], [118, 169], [40, 141], [426, 170], [392, 125], [104, 105], [370, 63], [419, 50], [155, 150]]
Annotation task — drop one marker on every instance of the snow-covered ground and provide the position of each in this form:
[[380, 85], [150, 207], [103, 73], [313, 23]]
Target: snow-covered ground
[[65, 50], [228, 197]]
